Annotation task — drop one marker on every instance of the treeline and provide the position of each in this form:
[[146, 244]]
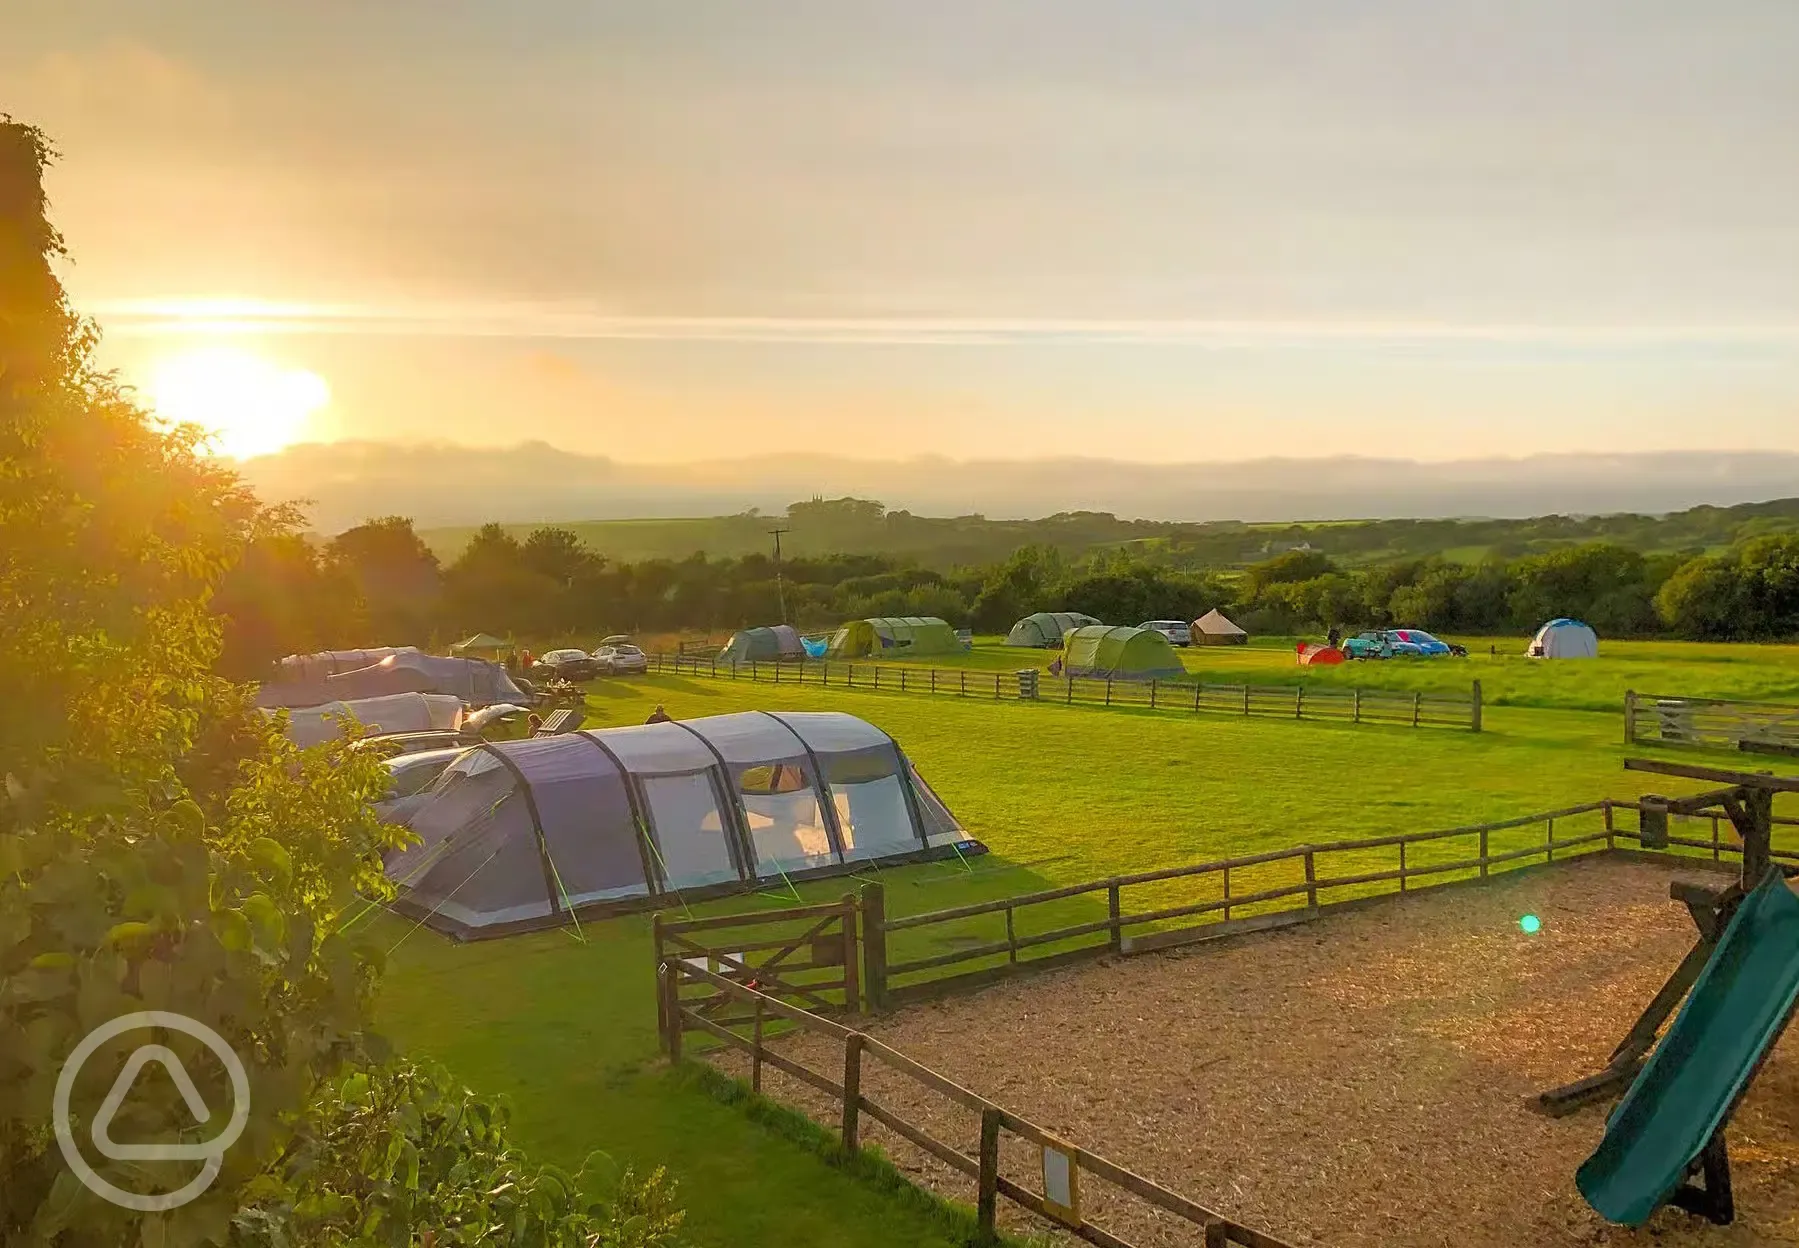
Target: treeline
[[825, 527], [380, 583]]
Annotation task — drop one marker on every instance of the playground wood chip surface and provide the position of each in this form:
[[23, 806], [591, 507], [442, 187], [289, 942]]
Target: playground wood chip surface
[[1360, 1081]]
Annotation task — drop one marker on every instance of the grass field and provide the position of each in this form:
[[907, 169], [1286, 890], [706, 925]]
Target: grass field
[[1060, 794]]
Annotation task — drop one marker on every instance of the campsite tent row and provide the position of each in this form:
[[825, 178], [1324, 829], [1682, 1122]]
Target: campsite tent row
[[475, 681], [519, 834]]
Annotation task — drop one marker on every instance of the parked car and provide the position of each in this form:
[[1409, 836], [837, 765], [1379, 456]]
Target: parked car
[[568, 665], [409, 776], [1378, 643], [623, 659], [1180, 632]]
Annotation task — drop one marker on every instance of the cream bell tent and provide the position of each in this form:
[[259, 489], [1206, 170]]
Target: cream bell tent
[[400, 712], [522, 834], [1213, 629], [1045, 629], [1564, 639]]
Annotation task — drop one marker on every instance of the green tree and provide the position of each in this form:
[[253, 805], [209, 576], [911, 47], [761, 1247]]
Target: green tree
[[395, 575]]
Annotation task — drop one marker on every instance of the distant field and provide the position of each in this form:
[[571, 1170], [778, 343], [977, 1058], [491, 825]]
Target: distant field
[[1061, 795]]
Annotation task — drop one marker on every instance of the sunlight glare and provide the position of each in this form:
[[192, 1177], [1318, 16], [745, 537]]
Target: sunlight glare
[[249, 405]]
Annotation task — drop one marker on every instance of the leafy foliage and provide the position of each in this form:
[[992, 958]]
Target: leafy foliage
[[385, 1152], [162, 845]]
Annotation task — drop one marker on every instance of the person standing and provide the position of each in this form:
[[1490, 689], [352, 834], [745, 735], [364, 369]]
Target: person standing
[[659, 716]]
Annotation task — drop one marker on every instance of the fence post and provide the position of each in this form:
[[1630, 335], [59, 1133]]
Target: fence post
[[996, 685], [756, 1049], [661, 1001], [1417, 706], [1217, 1235], [1356, 703], [1607, 805], [715, 667], [1011, 938], [1198, 688], [1483, 853], [987, 1199], [1402, 866], [902, 680], [1549, 842], [1227, 894], [877, 675], [933, 680], [1246, 699], [964, 692], [755, 671], [1475, 714], [852, 993], [1152, 693], [1069, 700], [874, 946], [852, 1088], [1630, 716], [1115, 912], [1299, 702], [824, 672], [1108, 691], [1311, 881], [1714, 838], [671, 1006]]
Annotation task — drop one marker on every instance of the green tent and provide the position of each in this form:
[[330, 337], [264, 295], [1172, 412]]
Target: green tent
[[482, 646], [1119, 654], [894, 637], [751, 645], [1045, 629]]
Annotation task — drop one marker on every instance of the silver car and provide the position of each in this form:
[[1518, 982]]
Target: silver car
[[1177, 631], [623, 659]]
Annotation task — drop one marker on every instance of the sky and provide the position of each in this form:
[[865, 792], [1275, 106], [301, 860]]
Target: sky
[[1146, 229]]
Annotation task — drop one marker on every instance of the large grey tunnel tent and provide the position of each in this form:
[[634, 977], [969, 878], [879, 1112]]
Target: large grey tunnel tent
[[519, 835]]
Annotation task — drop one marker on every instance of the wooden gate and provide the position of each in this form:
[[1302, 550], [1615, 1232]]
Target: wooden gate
[[805, 955]]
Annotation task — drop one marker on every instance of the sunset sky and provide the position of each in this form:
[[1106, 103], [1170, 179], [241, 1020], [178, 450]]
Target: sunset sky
[[1200, 229]]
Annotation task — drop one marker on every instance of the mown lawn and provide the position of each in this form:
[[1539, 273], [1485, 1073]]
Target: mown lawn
[[1060, 794]]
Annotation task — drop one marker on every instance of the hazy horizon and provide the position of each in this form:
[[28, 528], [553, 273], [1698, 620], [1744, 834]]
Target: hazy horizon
[[1155, 230]]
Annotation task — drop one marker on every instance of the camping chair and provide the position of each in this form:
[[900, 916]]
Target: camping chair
[[566, 720]]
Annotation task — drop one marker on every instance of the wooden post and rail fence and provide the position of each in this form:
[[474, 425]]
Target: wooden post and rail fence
[[1297, 701], [728, 978], [1752, 727]]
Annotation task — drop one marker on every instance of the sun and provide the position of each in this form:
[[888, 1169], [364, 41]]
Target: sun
[[247, 404]]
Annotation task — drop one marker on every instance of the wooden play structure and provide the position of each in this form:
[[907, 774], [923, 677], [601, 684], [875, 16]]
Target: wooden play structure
[[1739, 981]]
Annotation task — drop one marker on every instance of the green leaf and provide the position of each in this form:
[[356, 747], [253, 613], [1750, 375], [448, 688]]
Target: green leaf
[[187, 817], [53, 961], [272, 857], [267, 918], [128, 934], [232, 930]]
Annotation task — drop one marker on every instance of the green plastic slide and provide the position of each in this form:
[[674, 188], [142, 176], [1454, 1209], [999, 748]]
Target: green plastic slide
[[1734, 1012]]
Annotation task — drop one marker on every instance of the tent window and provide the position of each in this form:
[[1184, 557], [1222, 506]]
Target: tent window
[[690, 830], [873, 817], [787, 826]]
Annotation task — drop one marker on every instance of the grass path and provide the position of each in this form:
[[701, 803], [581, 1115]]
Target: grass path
[[1060, 794]]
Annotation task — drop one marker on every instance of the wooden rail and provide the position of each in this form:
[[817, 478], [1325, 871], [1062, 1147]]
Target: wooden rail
[[1297, 701], [1318, 871], [1717, 723], [858, 1047]]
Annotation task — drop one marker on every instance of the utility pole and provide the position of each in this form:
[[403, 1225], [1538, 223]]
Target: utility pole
[[780, 588]]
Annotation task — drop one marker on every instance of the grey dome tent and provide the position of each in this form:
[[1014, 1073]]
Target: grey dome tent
[[312, 668], [1045, 629], [475, 681], [1215, 629], [520, 835], [750, 645]]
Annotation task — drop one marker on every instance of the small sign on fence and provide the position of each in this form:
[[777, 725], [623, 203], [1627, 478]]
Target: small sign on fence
[[1061, 1183]]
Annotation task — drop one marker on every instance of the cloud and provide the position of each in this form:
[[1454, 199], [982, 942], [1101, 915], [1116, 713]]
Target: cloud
[[577, 322]]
